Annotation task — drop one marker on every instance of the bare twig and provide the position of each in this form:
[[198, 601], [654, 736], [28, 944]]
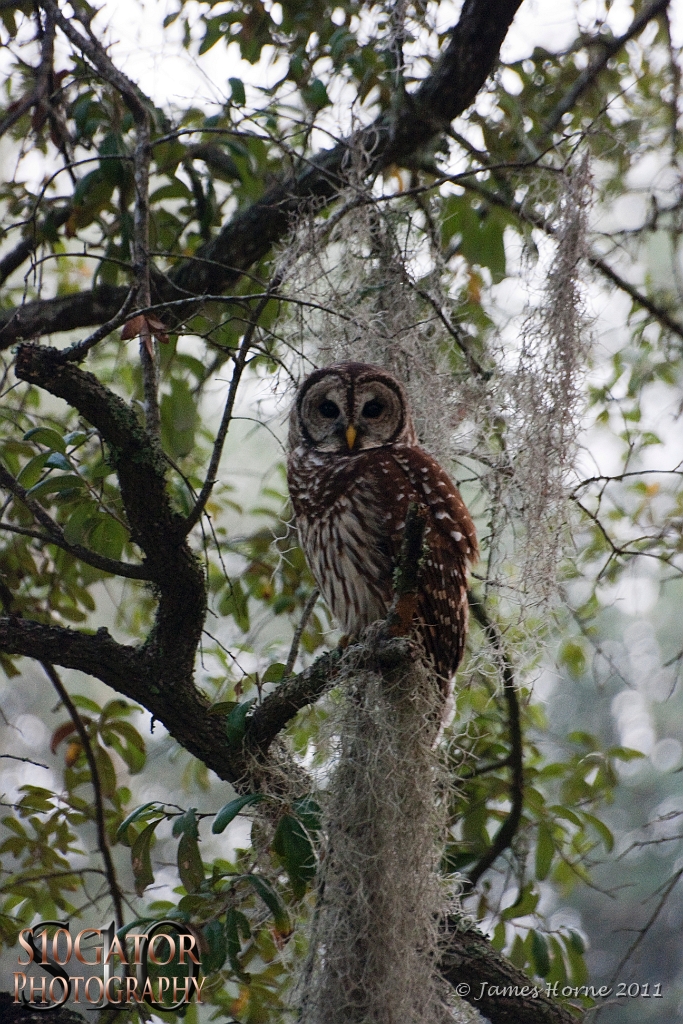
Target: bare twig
[[91, 48], [506, 832], [240, 363], [642, 932], [78, 351], [112, 881], [26, 760], [298, 633], [55, 534], [529, 217], [608, 47]]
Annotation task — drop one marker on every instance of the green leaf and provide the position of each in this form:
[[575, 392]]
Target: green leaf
[[525, 904], [498, 940], [274, 902], [214, 32], [31, 472], [273, 673], [108, 537], [55, 485], [80, 522], [223, 707], [625, 753], [545, 851], [575, 948], [232, 935], [190, 867], [564, 812], [215, 956], [179, 419], [105, 770], [573, 657], [293, 846], [234, 602], [539, 952], [133, 816], [75, 437], [480, 233], [141, 859], [186, 824], [236, 722], [230, 811], [46, 436], [177, 189], [58, 461], [86, 704], [128, 744], [316, 95], [307, 810], [601, 829], [237, 93]]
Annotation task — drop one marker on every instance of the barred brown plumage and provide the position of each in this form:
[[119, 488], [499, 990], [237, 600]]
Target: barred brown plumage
[[354, 467]]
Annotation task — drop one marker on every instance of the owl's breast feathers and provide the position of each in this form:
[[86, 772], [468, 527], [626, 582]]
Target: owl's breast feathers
[[351, 514]]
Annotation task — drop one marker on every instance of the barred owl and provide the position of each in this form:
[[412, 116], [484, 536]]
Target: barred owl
[[354, 467]]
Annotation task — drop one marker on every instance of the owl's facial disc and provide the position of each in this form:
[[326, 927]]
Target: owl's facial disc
[[346, 416], [324, 413]]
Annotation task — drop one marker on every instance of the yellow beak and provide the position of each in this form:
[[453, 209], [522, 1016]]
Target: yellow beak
[[351, 434]]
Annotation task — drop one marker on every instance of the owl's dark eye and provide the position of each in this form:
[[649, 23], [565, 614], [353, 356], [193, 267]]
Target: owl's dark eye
[[373, 409], [328, 409]]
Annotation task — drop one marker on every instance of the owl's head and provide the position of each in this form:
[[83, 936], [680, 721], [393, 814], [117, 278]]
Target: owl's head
[[350, 407]]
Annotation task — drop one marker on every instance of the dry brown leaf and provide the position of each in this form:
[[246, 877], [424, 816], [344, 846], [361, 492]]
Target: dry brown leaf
[[133, 328]]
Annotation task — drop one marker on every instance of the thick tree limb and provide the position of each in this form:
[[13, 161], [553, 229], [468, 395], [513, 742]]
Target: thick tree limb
[[135, 673], [470, 963], [166, 660], [293, 694], [65, 313], [469, 958], [446, 92]]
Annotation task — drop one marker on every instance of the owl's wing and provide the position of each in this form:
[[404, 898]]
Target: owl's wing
[[451, 542]]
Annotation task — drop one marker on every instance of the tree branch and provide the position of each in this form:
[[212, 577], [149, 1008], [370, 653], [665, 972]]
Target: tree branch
[[110, 872], [608, 48], [471, 963], [21, 252], [292, 694], [507, 830], [137, 674], [445, 93], [529, 217], [91, 48], [240, 363], [155, 527], [55, 534], [299, 631]]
